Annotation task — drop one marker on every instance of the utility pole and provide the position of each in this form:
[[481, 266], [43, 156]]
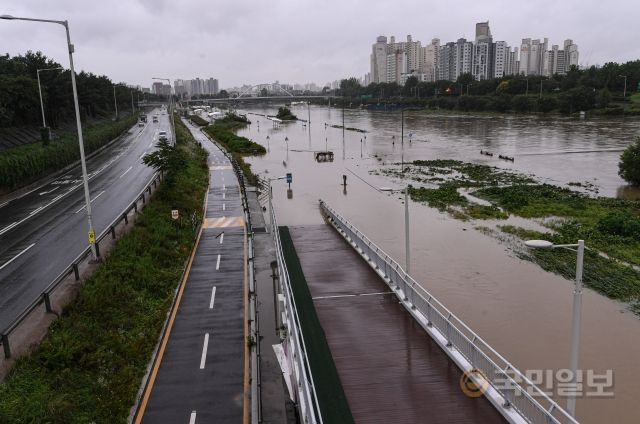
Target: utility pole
[[406, 229], [115, 101]]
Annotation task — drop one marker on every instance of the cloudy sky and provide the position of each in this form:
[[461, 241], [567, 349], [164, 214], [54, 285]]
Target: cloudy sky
[[242, 41]]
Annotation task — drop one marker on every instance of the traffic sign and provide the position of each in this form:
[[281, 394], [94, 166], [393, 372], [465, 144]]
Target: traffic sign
[[92, 237], [174, 214], [289, 177]]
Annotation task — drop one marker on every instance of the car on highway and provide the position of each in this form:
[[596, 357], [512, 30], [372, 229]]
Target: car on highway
[[155, 119], [162, 135], [141, 124]]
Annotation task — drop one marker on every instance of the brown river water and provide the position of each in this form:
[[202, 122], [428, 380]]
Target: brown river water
[[519, 309]]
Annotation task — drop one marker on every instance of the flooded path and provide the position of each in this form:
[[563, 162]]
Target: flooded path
[[521, 310]]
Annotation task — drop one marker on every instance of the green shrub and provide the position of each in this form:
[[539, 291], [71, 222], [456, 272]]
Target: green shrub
[[629, 166], [621, 224], [22, 165]]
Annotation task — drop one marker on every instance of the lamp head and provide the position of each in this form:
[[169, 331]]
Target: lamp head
[[8, 17], [538, 244]]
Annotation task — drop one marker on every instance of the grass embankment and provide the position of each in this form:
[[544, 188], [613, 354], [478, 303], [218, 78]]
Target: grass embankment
[[331, 397], [23, 165], [608, 225], [222, 130], [90, 365]]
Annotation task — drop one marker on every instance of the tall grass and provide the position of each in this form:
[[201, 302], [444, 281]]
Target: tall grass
[[24, 164], [90, 365]]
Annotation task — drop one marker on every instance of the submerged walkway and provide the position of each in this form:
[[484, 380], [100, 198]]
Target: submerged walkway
[[390, 369], [201, 376]]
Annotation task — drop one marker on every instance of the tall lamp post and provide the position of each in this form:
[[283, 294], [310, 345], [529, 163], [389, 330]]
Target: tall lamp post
[[115, 101], [173, 129], [624, 92], [407, 255], [577, 308], [85, 179], [44, 122]]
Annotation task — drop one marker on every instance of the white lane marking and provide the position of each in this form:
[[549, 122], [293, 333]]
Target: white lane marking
[[125, 172], [223, 195], [8, 227], [221, 237], [224, 206], [192, 419], [142, 155], [213, 297], [4, 204], [218, 263], [16, 257], [223, 188], [151, 144], [99, 194], [203, 358], [47, 192], [36, 210]]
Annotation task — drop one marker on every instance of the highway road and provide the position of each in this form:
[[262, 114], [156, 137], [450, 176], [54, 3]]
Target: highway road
[[44, 230]]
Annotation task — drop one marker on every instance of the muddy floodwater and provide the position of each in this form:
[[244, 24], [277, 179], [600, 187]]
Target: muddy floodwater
[[521, 310]]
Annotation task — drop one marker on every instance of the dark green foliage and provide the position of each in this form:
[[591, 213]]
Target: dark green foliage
[[629, 166], [222, 132], [440, 197], [198, 120], [331, 397], [285, 114], [90, 365], [620, 223], [22, 165]]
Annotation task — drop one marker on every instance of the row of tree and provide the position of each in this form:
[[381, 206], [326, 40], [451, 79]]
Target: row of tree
[[601, 82], [19, 99]]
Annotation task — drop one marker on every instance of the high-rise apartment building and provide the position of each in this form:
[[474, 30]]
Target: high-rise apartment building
[[393, 61]]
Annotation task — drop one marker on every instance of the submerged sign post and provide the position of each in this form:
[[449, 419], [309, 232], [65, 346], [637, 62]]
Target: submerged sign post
[[174, 214], [289, 178]]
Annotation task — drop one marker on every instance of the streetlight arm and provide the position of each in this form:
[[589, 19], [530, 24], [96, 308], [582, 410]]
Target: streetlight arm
[[15, 18]]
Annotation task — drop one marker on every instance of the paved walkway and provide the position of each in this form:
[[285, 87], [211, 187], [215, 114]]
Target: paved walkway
[[390, 369], [201, 377]]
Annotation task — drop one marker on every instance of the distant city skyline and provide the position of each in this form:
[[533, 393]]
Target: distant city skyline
[[248, 42], [482, 57]]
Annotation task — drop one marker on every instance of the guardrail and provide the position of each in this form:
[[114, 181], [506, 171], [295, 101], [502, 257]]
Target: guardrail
[[294, 344], [45, 296], [506, 387]]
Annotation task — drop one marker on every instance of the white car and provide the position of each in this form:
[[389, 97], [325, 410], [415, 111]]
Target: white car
[[162, 135]]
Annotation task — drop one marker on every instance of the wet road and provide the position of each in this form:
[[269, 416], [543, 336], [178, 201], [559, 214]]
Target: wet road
[[521, 310], [43, 231]]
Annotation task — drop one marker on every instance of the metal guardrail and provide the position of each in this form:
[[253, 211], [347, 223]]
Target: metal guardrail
[[471, 353], [45, 296], [294, 344]]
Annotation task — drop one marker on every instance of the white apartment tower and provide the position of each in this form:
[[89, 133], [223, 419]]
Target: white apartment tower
[[379, 60]]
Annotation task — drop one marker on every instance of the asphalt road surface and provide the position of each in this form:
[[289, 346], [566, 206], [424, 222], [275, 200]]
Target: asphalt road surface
[[200, 377], [42, 232]]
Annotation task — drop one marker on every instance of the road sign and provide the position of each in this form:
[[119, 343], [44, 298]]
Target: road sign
[[289, 177], [174, 214], [92, 237]]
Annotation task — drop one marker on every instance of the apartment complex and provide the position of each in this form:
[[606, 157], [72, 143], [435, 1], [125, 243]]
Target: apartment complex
[[196, 87], [392, 61]]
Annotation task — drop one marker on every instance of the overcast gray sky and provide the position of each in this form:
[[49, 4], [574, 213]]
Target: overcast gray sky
[[259, 41]]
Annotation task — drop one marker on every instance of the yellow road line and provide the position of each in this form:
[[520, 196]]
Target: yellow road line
[[167, 334]]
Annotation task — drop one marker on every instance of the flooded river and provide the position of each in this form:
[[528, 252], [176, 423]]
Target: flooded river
[[521, 310]]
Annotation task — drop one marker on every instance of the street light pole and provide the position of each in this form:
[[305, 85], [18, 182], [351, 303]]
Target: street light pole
[[624, 93], [115, 101], [576, 320], [70, 48], [406, 229], [44, 122], [527, 92]]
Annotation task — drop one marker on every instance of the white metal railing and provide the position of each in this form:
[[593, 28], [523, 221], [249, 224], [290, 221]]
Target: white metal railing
[[468, 350], [294, 344]]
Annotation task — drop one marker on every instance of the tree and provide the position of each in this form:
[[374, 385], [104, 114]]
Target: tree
[[264, 92], [465, 78], [521, 104], [350, 87], [629, 166], [603, 98], [285, 114]]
